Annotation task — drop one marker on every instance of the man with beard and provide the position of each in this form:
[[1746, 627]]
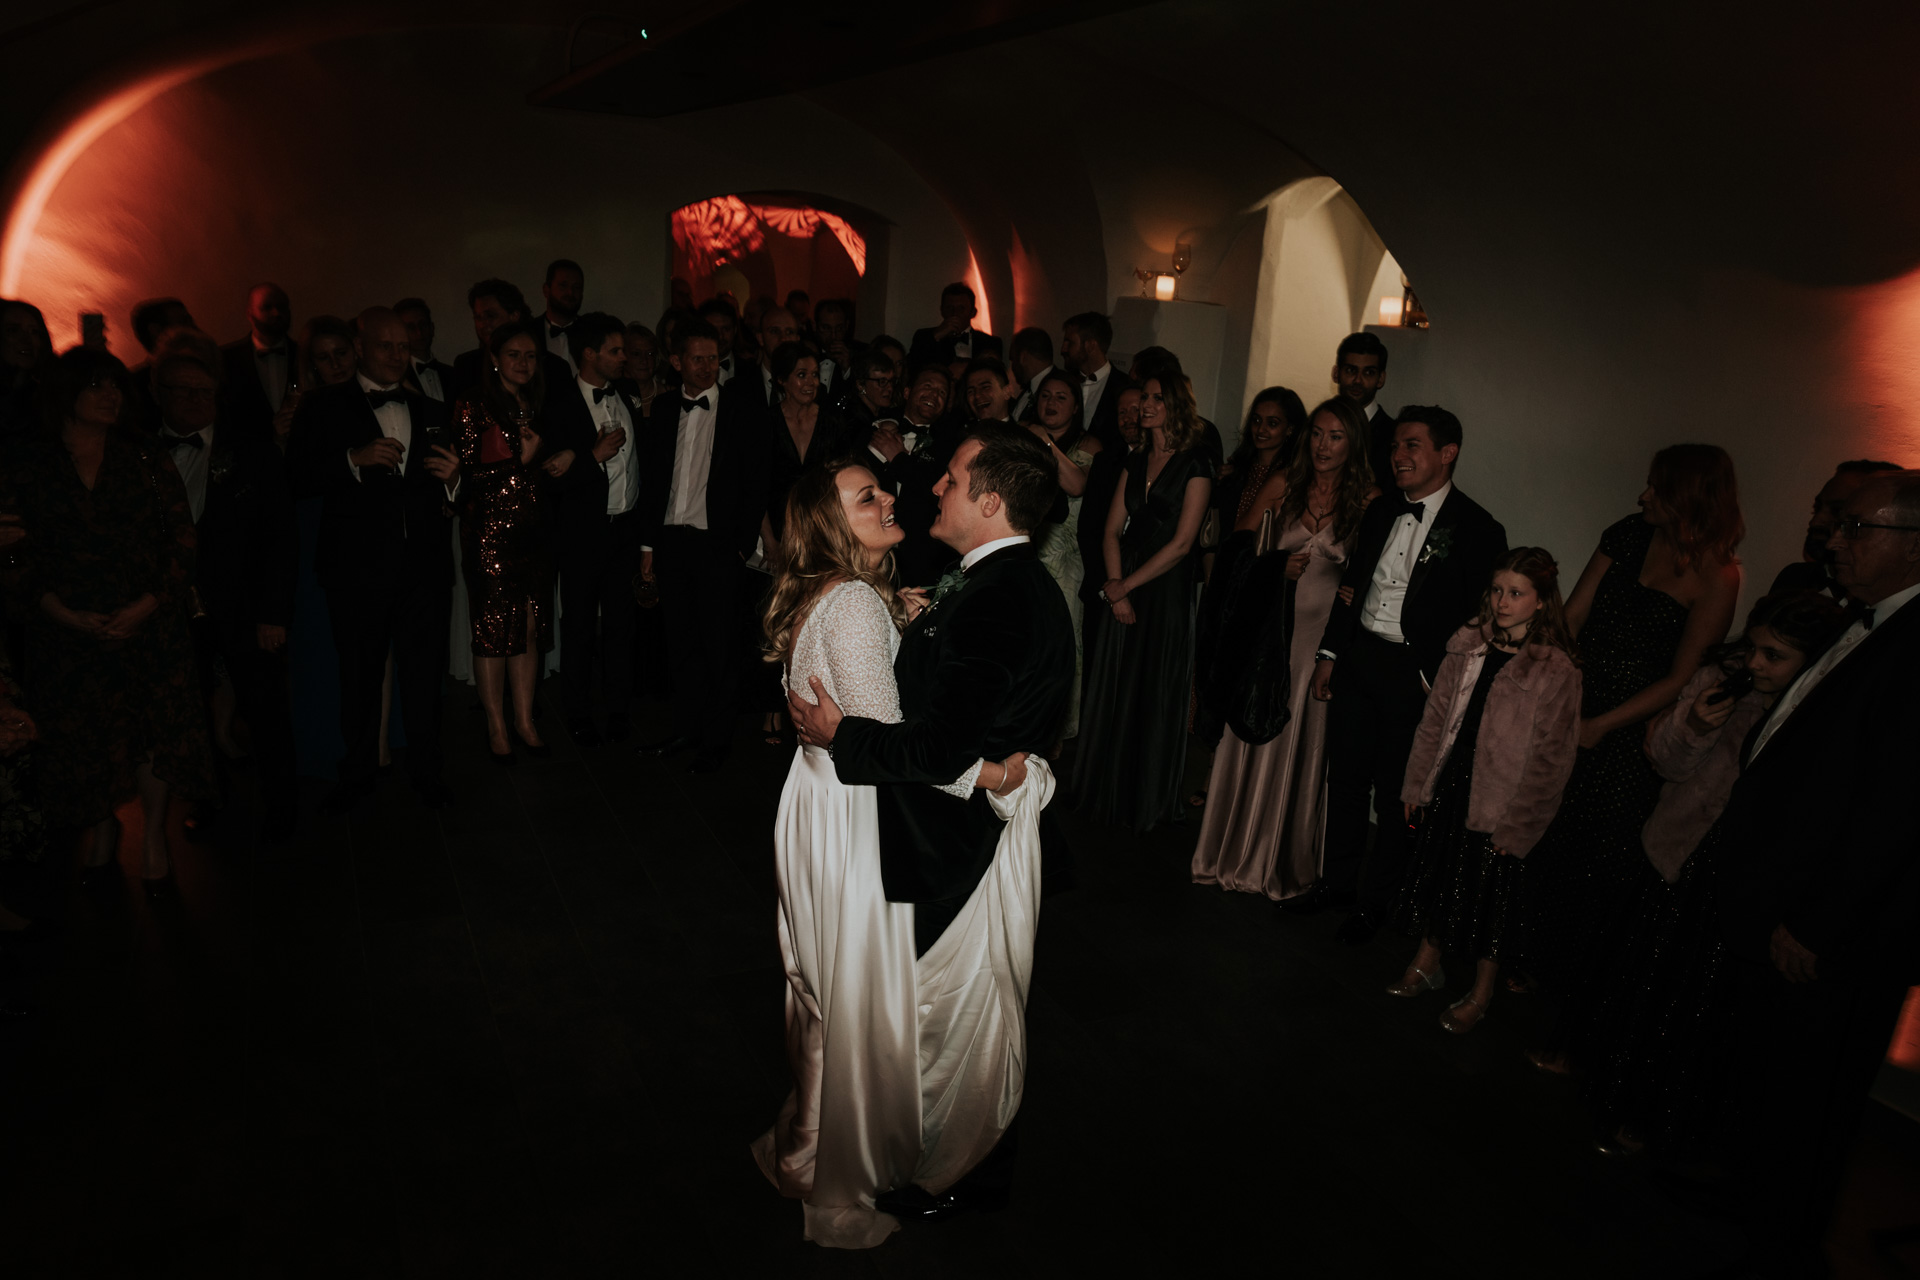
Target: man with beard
[[1360, 371]]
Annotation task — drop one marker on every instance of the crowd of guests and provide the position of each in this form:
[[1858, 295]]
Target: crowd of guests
[[1692, 845]]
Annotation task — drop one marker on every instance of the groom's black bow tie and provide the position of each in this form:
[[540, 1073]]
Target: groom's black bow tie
[[195, 442], [1418, 510], [687, 405], [601, 393], [556, 330], [378, 398]]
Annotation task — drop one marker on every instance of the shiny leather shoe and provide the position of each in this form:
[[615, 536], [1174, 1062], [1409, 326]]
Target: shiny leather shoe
[[914, 1203], [1359, 929], [668, 746], [1422, 982]]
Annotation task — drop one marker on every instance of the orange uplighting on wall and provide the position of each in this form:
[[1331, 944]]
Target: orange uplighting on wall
[[726, 228], [1905, 1050], [983, 319]]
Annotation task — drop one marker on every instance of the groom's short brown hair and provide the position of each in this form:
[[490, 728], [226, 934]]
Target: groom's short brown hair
[[1019, 468]]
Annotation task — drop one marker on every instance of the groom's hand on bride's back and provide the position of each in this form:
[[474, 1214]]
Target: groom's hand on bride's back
[[815, 722]]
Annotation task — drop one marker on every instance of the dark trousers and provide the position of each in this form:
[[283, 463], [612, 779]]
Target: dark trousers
[[263, 698], [409, 616], [597, 612], [1805, 1056], [1377, 703], [700, 579]]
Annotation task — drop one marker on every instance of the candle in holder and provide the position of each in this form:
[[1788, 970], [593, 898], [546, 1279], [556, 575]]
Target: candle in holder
[[1390, 312], [1163, 287]]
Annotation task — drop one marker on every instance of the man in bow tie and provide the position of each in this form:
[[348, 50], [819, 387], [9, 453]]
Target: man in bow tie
[[1423, 556], [911, 457], [597, 541], [494, 303], [378, 453], [1031, 355], [954, 340], [564, 290], [1085, 340], [246, 556], [429, 374], [704, 478], [718, 314], [259, 368]]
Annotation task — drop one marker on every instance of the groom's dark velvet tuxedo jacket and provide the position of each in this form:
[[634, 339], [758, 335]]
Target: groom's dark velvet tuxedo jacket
[[982, 674]]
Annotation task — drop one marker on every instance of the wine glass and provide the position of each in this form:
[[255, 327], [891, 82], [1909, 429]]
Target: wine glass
[[1182, 257]]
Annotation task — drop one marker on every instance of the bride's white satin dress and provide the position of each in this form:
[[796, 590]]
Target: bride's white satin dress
[[903, 1072]]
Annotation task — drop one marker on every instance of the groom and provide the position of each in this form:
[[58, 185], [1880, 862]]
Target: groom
[[983, 672]]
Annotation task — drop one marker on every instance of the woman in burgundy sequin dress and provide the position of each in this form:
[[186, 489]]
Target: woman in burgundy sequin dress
[[505, 511]]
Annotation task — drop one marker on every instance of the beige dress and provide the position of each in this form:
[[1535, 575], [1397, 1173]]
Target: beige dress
[[1266, 806]]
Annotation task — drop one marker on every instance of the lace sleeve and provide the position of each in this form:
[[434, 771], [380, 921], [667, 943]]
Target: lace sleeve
[[858, 640]]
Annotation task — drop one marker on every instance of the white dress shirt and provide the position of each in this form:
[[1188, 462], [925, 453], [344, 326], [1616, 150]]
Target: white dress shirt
[[986, 549], [1032, 391], [1387, 593], [622, 475], [693, 461], [1849, 640], [557, 343], [726, 371], [272, 365], [396, 423], [192, 464], [429, 380], [1092, 387]]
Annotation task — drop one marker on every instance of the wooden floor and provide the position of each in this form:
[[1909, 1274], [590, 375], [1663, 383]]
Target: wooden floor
[[533, 1035]]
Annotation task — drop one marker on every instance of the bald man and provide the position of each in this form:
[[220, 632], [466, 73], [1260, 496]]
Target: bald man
[[379, 453], [1820, 891], [261, 366]]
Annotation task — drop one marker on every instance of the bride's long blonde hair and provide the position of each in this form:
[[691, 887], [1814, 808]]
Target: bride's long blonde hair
[[820, 551]]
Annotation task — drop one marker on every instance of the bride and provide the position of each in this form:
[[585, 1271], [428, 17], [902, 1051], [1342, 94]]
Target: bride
[[852, 1128]]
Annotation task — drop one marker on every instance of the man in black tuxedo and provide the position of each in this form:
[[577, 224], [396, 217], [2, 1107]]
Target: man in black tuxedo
[[150, 319], [564, 290], [261, 366], [1031, 356], [1085, 340], [704, 478], [910, 454], [494, 303], [1814, 570], [868, 396], [777, 328], [432, 376], [833, 334], [1421, 562], [1820, 893], [377, 452], [954, 339], [1360, 372], [984, 672], [597, 540], [719, 315], [245, 561]]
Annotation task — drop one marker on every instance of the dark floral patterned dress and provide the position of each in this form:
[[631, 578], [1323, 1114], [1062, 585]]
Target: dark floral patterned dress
[[105, 706]]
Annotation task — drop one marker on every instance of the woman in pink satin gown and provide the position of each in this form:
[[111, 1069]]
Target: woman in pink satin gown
[[1265, 818]]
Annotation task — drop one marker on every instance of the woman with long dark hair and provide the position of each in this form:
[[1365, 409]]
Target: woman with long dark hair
[[1262, 832], [1134, 719], [105, 575], [504, 517], [1656, 595], [1490, 759], [1649, 1039], [1058, 421]]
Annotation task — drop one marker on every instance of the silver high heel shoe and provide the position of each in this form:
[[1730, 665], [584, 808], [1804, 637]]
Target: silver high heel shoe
[[1458, 1027], [1422, 982]]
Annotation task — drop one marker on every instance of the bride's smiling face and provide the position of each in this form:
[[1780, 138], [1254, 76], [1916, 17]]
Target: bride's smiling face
[[869, 511]]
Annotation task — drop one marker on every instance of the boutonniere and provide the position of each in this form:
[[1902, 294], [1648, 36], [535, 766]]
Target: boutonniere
[[1439, 543], [950, 581], [220, 465]]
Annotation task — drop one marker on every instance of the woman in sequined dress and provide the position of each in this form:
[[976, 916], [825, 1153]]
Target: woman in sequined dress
[[1657, 594], [503, 524], [1649, 1039]]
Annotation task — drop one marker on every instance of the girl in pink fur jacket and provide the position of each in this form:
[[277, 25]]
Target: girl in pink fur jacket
[[1489, 763]]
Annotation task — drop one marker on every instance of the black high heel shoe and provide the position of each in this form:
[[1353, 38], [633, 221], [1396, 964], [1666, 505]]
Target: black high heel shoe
[[540, 752]]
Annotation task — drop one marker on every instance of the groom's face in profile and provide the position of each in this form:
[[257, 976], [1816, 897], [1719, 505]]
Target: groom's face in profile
[[960, 518]]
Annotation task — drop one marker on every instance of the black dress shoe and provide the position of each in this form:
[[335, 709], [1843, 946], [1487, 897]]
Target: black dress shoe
[[707, 760], [1359, 929], [584, 734], [667, 746], [344, 796], [914, 1203], [433, 793], [1302, 904], [619, 727]]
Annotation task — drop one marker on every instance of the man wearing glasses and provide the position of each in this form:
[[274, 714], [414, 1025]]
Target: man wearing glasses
[[1820, 907], [1814, 570], [870, 396]]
